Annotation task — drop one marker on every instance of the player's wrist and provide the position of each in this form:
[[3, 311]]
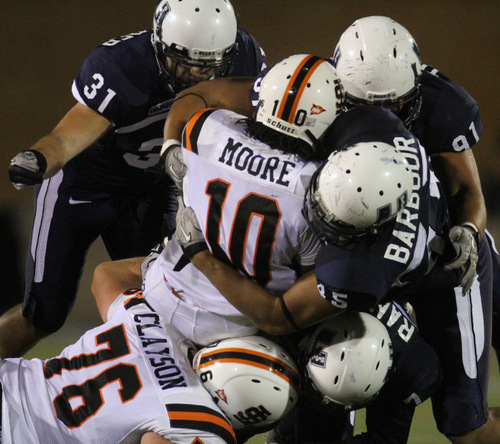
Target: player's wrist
[[474, 230], [40, 159], [168, 144]]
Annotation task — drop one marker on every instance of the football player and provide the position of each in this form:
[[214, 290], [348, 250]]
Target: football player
[[90, 172], [247, 180], [226, 243], [379, 208], [129, 380], [378, 62]]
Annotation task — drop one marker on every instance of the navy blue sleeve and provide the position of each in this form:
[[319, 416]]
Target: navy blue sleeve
[[111, 81], [251, 58], [449, 119], [353, 276]]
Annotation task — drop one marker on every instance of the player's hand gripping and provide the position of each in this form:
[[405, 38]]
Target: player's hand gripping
[[27, 168], [171, 161], [465, 241], [188, 232]]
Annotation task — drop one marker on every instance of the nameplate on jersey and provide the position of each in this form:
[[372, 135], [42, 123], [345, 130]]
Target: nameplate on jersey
[[270, 166], [159, 352], [405, 232]]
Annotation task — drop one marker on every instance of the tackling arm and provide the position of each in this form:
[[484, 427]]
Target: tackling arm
[[230, 93], [302, 301], [111, 278], [460, 178]]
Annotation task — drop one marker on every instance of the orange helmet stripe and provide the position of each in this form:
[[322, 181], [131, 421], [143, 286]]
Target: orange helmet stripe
[[296, 86]]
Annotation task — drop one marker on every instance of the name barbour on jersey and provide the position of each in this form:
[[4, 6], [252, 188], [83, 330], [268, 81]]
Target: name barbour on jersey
[[155, 344], [243, 158], [404, 233]]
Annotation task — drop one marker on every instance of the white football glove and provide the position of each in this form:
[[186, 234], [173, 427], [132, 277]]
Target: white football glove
[[173, 163], [188, 232], [465, 240], [27, 168]]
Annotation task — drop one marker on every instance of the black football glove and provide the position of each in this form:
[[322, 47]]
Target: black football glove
[[27, 168]]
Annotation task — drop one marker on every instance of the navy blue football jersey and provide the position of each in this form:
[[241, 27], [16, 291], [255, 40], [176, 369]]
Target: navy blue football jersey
[[360, 274], [449, 118], [134, 98]]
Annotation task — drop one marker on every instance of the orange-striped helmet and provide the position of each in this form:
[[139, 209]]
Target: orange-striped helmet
[[300, 96], [253, 380]]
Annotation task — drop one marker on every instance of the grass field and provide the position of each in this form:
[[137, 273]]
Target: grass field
[[423, 429]]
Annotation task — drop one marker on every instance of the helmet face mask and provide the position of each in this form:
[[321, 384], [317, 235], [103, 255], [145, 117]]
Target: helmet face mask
[[322, 221], [253, 380], [378, 62], [357, 191], [183, 40], [300, 96], [348, 360]]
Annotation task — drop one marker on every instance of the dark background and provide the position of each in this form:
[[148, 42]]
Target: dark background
[[43, 44]]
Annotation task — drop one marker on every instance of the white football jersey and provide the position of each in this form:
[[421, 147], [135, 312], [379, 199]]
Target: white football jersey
[[121, 379], [248, 199]]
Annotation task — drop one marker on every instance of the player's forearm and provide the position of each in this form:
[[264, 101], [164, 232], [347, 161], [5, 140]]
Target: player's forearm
[[227, 93], [184, 107], [469, 206], [459, 176], [255, 302], [53, 150], [77, 130]]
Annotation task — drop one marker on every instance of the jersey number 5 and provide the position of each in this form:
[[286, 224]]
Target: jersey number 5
[[88, 394]]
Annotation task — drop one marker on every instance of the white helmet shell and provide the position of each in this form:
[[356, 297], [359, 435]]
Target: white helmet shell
[[350, 356], [253, 380], [359, 189], [195, 32], [300, 96], [378, 62]]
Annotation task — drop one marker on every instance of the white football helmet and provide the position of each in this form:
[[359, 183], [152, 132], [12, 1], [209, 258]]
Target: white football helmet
[[357, 190], [253, 380], [300, 96], [348, 359], [378, 62], [199, 33]]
